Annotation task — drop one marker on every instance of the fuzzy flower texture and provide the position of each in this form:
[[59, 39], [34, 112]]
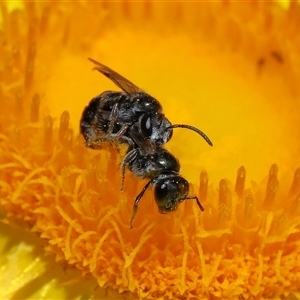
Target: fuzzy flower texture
[[231, 69]]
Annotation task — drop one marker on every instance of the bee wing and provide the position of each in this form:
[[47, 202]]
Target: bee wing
[[118, 79]]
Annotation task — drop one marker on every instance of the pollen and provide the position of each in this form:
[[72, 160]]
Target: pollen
[[246, 243]]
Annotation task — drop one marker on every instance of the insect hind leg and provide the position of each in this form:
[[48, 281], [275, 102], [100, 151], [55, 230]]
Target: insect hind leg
[[136, 202], [128, 159], [111, 138]]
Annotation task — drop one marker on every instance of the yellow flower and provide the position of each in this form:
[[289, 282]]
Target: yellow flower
[[230, 69]]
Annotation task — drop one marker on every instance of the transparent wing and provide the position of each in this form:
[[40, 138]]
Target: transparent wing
[[118, 79]]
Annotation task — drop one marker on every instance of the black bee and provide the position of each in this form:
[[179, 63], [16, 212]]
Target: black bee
[[135, 118], [120, 116], [162, 168]]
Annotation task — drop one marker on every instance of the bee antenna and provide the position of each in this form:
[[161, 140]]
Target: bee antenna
[[209, 142]]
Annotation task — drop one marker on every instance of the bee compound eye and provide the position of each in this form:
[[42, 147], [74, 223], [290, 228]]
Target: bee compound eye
[[165, 193], [146, 125], [161, 193]]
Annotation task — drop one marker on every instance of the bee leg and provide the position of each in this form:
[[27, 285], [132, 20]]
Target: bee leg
[[119, 136], [97, 141], [128, 159], [197, 200], [126, 140], [136, 202], [113, 118], [121, 132], [114, 137], [91, 143]]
